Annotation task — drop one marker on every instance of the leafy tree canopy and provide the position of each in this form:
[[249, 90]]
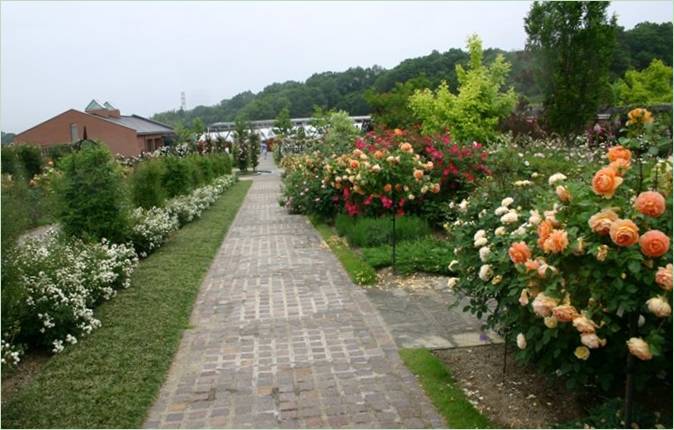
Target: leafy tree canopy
[[649, 86]]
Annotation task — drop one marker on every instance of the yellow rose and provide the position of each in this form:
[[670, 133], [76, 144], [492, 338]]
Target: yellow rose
[[582, 353]]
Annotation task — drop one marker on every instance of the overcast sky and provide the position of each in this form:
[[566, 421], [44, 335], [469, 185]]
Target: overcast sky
[[141, 55]]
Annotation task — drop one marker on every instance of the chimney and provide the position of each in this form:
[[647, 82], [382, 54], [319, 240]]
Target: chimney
[[96, 108], [113, 112]]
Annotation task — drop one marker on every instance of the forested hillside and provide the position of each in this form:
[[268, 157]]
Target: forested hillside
[[357, 89]]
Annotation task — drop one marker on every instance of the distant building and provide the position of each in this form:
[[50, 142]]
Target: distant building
[[128, 135]]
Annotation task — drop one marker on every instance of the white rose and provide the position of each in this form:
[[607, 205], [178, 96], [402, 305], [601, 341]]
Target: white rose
[[501, 210], [659, 307], [480, 242], [484, 253], [480, 233], [486, 272], [521, 341], [500, 231], [535, 217], [556, 178], [510, 217], [521, 231], [463, 206], [451, 282], [507, 201]]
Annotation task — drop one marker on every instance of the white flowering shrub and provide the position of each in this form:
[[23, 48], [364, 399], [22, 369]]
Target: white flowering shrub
[[190, 207], [150, 228], [61, 281]]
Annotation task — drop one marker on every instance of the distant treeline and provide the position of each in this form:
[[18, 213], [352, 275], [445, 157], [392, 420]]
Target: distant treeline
[[354, 89]]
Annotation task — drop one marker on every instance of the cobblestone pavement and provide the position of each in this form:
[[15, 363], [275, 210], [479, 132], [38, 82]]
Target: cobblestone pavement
[[280, 337]]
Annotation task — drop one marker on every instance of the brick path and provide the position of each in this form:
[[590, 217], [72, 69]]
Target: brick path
[[280, 337]]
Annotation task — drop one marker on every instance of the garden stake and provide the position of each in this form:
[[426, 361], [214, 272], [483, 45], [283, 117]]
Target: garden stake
[[393, 235]]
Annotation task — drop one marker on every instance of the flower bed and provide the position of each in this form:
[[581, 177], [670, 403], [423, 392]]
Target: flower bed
[[54, 283]]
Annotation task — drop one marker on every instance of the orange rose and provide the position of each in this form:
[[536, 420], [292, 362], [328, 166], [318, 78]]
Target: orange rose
[[436, 188], [398, 132], [565, 313], [654, 243], [563, 193], [388, 188], [418, 174], [624, 232], [663, 277], [544, 229], [601, 222], [620, 166], [619, 153], [650, 203], [605, 182], [639, 115], [406, 147], [354, 164], [519, 252], [556, 242], [378, 155]]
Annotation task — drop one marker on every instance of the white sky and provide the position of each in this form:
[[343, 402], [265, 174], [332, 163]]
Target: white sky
[[140, 55]]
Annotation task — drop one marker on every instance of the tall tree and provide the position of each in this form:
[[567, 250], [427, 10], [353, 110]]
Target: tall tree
[[573, 45], [282, 125]]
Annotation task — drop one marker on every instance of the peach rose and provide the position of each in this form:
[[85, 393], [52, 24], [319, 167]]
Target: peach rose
[[663, 277], [388, 188], [524, 297], [565, 313], [654, 243], [519, 252], [659, 307], [600, 222], [544, 268], [556, 242], [605, 182], [619, 153], [624, 232], [435, 189], [398, 132], [354, 164], [532, 264], [584, 325], [406, 147], [650, 203], [639, 348], [620, 166], [543, 305], [592, 341], [544, 229], [563, 193], [418, 174], [378, 155]]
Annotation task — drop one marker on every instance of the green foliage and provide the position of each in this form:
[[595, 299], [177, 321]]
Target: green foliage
[[573, 43], [7, 138], [609, 414], [637, 47], [241, 149], [30, 158], [440, 387], [10, 161], [16, 210], [412, 256], [649, 86], [254, 149], [282, 125], [56, 152], [337, 130], [147, 189], [91, 195], [359, 271], [365, 231], [177, 178], [473, 113], [198, 126], [391, 109]]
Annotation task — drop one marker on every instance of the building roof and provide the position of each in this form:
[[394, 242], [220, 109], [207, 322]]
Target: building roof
[[93, 105], [108, 106], [140, 124]]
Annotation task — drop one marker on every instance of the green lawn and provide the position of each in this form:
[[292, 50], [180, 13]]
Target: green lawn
[[359, 271], [110, 378], [438, 384]]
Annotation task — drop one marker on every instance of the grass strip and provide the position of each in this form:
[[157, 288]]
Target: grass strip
[[111, 377], [438, 384], [359, 271]]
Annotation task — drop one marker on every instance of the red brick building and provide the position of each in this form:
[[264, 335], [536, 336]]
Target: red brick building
[[124, 134]]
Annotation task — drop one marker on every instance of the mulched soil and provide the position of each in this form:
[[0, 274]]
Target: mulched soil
[[523, 399]]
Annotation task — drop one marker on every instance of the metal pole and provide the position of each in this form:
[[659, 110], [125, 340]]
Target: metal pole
[[393, 236]]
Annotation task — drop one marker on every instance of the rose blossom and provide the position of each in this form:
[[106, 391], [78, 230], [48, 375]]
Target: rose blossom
[[620, 166], [521, 341], [565, 313], [479, 234], [532, 264], [480, 242], [584, 325], [563, 193], [519, 252], [544, 229], [484, 253], [556, 242], [486, 272], [510, 217], [543, 305], [617, 152], [663, 277], [501, 210], [550, 322], [650, 203], [602, 252], [524, 297], [591, 340], [556, 178], [543, 269], [535, 217], [624, 232], [605, 182], [639, 348], [582, 353], [507, 201], [659, 307], [600, 222], [654, 243], [500, 231]]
